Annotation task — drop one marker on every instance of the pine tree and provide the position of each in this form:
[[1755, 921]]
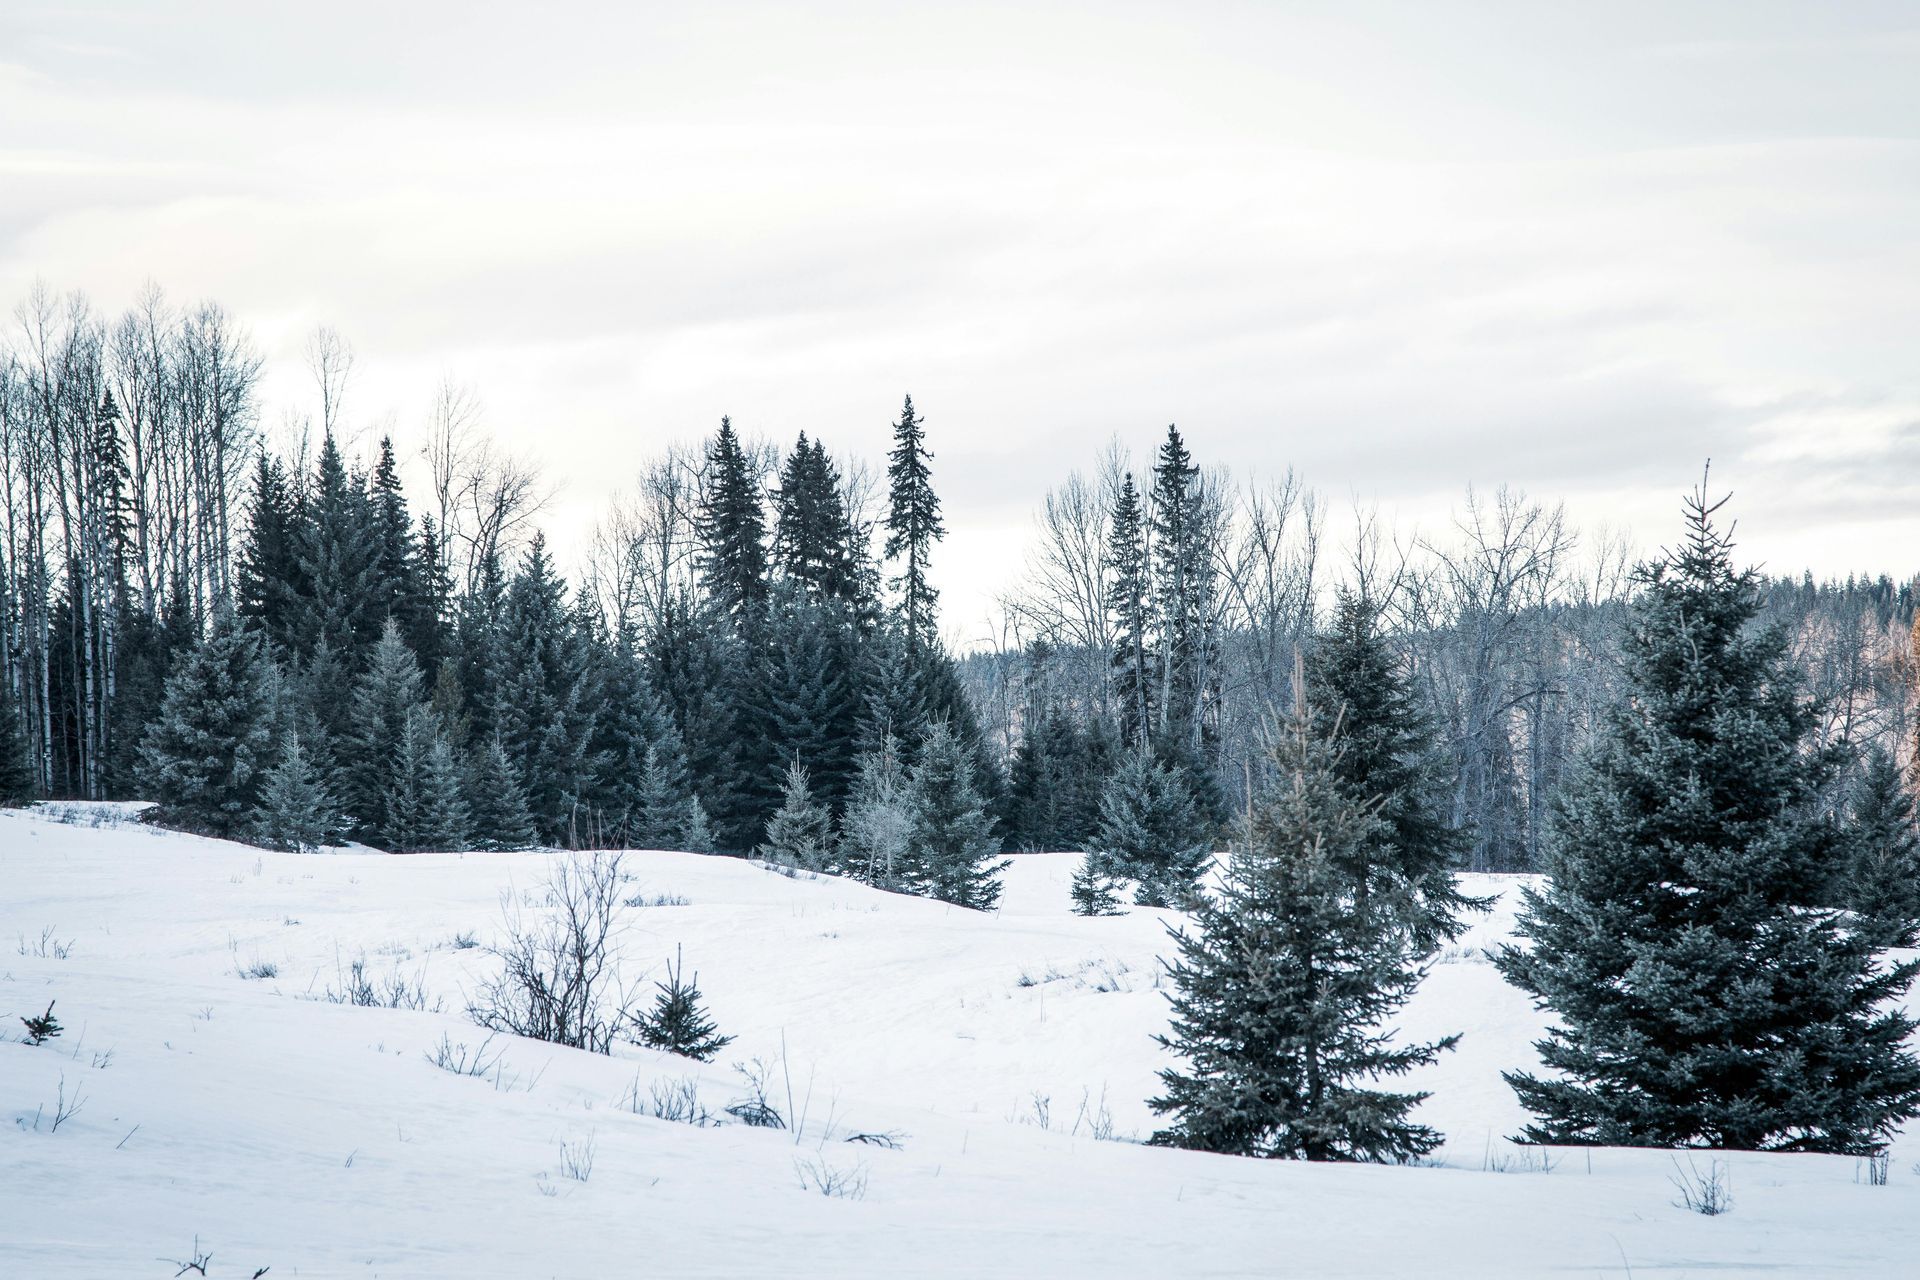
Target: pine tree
[[496, 802], [639, 788], [696, 833], [547, 716], [1130, 601], [1702, 997], [808, 691], [1880, 879], [800, 833], [913, 526], [203, 758], [384, 702], [677, 1023], [296, 812], [1094, 891], [1363, 695], [269, 584], [1150, 832], [1283, 987], [1182, 576], [17, 785], [876, 832], [951, 851], [336, 549], [732, 529]]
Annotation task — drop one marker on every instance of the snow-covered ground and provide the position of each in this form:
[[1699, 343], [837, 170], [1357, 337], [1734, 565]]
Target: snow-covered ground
[[317, 1139]]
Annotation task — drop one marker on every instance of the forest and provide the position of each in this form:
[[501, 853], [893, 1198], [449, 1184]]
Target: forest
[[751, 649]]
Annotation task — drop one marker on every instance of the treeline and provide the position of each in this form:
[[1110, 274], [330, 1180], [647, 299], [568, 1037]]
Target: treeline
[[1509, 628]]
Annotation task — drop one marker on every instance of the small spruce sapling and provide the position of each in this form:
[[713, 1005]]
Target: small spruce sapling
[[677, 1023], [43, 1028]]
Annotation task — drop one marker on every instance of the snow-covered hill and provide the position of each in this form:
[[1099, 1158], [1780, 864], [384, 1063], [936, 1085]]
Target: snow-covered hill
[[318, 1139]]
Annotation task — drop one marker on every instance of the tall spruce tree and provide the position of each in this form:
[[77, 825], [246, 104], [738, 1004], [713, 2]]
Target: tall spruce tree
[[951, 848], [1363, 694], [1150, 832], [1183, 581], [268, 583], [204, 757], [732, 529], [548, 716], [639, 790], [913, 526], [809, 691], [1130, 602], [1701, 995], [337, 553], [1284, 984]]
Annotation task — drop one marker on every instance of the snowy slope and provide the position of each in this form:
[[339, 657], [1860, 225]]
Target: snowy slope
[[317, 1139]]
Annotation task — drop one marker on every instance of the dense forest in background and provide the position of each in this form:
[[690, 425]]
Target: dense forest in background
[[750, 653]]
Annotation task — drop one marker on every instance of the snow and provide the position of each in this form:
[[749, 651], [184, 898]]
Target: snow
[[317, 1138]]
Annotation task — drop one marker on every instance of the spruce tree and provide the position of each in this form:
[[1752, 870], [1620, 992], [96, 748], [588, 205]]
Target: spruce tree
[[951, 849], [1182, 576], [1151, 833], [1094, 891], [1880, 876], [296, 812], [385, 700], [496, 802], [1363, 694], [1701, 994], [1284, 985], [639, 787], [732, 529], [336, 550], [877, 830], [678, 1023], [203, 758], [423, 808], [17, 785], [696, 833], [913, 526], [547, 716], [1130, 602], [268, 580], [808, 687], [800, 833]]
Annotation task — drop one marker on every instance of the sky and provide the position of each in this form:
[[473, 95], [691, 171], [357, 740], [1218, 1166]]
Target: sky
[[1400, 248]]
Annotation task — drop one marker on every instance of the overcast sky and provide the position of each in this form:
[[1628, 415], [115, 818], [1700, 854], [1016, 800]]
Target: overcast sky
[[1401, 248]]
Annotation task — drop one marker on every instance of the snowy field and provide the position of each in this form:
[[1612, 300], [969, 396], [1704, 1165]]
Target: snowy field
[[1009, 1055]]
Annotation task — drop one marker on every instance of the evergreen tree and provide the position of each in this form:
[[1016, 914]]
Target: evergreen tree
[[400, 573], [696, 834], [815, 542], [913, 526], [1150, 832], [336, 549], [876, 832], [800, 833], [496, 802], [202, 759], [269, 585], [547, 717], [639, 790], [951, 851], [385, 700], [809, 694], [1130, 601], [1701, 996], [732, 529], [1283, 986], [1389, 755], [677, 1023], [1880, 879], [704, 673], [296, 812], [423, 808], [1182, 576], [17, 784], [1093, 891]]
